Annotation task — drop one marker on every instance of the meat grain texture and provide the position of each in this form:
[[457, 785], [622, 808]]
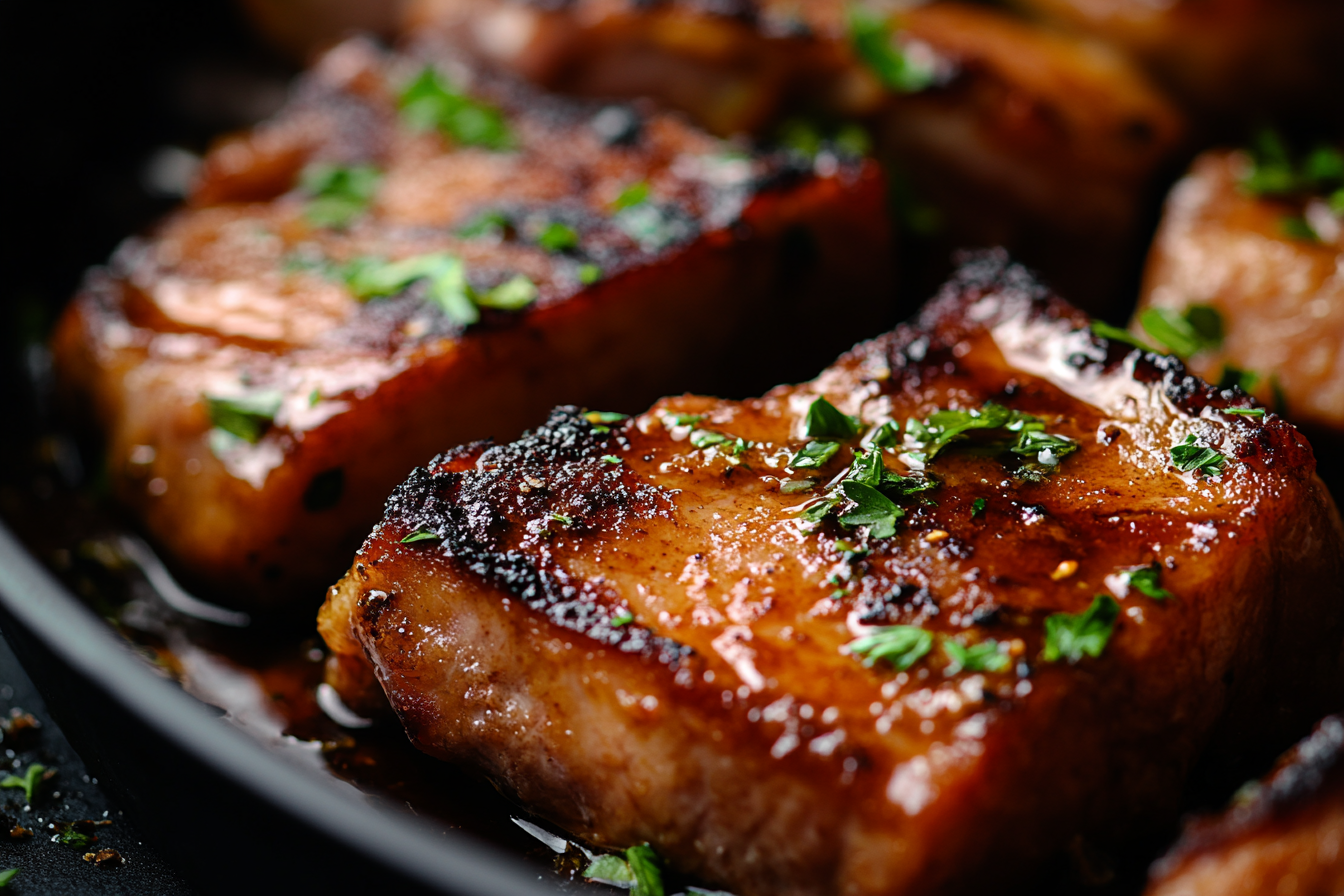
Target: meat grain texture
[[646, 640], [642, 254]]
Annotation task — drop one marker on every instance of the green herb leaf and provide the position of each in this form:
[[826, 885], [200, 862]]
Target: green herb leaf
[[888, 435], [420, 535], [704, 438], [1146, 580], [873, 509], [1274, 173], [605, 416], [1116, 334], [654, 227], [513, 294], [1186, 332], [371, 278], [429, 102], [644, 866], [682, 419], [589, 274], [900, 645], [339, 193], [635, 194], [1245, 412], [560, 518], [610, 459], [624, 618], [983, 657], [815, 513], [71, 837], [247, 417], [558, 237], [609, 870], [794, 486], [944, 427], [7, 875], [876, 45], [28, 783], [978, 507], [1298, 228], [488, 223], [1188, 456], [814, 455], [825, 421], [1070, 636]]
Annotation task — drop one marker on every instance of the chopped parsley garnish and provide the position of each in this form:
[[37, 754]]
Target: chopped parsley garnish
[[1117, 334], [624, 618], [874, 42], [987, 656], [589, 273], [871, 508], [339, 193], [420, 535], [488, 223], [446, 276], [605, 416], [430, 102], [635, 194], [825, 421], [794, 486], [682, 419], [560, 518], [653, 226], [900, 645], [1275, 173], [943, 427], [558, 237], [28, 783], [1186, 332], [247, 417], [637, 869], [7, 875], [888, 435], [1188, 457], [1071, 636], [704, 438], [513, 294], [1245, 412], [814, 455], [978, 507], [610, 459], [1297, 227], [1147, 580], [71, 837]]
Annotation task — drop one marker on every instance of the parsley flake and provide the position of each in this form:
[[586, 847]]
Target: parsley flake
[[558, 237], [705, 438], [28, 783], [489, 223], [339, 193], [430, 103], [1146, 580], [513, 294], [605, 416], [634, 194], [637, 869], [872, 509], [560, 518], [624, 618], [814, 455], [875, 43], [888, 435], [825, 421], [900, 645], [1186, 332], [1118, 334], [987, 656], [610, 459], [1245, 412], [978, 507], [794, 486], [589, 273], [247, 417], [1071, 636], [7, 875], [1274, 172], [943, 427], [71, 837], [1188, 457], [682, 419], [420, 535], [445, 274]]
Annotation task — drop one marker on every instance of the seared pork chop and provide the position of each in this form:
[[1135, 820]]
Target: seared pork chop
[[1015, 134], [413, 255], [1269, 283], [803, 651], [1283, 834]]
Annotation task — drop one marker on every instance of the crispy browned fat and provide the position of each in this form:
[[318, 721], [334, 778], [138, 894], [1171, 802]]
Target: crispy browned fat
[[649, 633], [1278, 290], [1283, 834], [1235, 59], [257, 411], [1015, 134]]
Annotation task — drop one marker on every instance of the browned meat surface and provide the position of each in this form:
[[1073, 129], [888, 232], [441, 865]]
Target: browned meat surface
[[628, 254], [1017, 135], [1238, 59], [646, 630], [1278, 291], [1282, 835]]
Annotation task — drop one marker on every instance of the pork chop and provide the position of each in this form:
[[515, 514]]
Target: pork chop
[[413, 255], [987, 582]]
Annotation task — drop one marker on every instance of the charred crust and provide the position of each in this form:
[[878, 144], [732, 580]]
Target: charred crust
[[491, 509]]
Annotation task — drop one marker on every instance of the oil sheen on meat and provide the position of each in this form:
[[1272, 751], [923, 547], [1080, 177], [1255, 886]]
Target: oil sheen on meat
[[632, 628]]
